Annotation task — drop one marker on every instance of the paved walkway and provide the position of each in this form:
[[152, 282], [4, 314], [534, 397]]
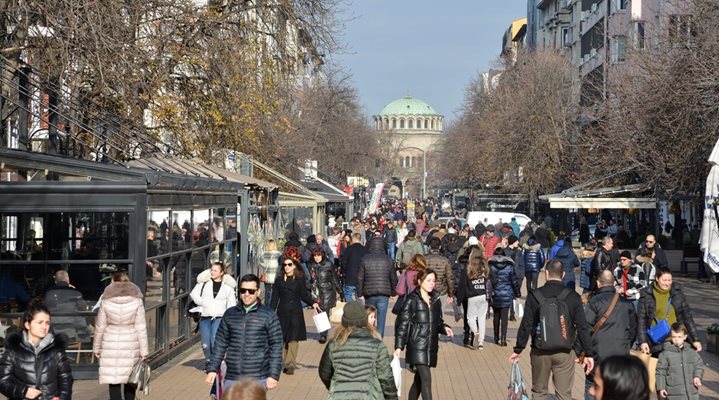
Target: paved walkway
[[461, 374]]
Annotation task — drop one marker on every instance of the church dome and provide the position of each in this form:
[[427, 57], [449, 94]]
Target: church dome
[[408, 106]]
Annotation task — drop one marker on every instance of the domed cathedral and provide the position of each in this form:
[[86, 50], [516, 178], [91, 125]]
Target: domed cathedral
[[414, 128]]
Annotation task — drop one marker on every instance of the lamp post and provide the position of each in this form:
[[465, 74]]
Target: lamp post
[[424, 174]]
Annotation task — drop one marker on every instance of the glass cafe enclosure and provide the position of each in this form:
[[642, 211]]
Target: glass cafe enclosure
[[92, 219]]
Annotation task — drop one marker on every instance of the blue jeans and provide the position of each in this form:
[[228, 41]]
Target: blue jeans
[[392, 250], [350, 293], [228, 382], [208, 330], [380, 303]]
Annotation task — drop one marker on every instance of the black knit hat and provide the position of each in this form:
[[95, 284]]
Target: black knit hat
[[512, 239], [354, 314], [626, 255]]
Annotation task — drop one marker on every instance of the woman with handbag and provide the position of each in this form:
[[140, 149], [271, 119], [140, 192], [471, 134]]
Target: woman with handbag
[[288, 293], [323, 278], [417, 328], [408, 280], [215, 292], [663, 304], [120, 335], [34, 364]]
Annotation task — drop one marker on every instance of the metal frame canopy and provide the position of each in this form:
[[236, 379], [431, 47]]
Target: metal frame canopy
[[571, 198]]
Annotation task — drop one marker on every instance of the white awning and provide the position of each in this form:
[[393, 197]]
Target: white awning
[[601, 202]]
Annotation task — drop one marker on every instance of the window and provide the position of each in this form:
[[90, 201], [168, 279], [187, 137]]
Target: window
[[426, 124], [401, 124], [566, 37], [619, 48], [407, 162], [639, 35], [410, 124], [681, 29], [621, 4], [394, 123]]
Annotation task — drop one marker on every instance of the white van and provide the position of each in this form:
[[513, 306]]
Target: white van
[[492, 217]]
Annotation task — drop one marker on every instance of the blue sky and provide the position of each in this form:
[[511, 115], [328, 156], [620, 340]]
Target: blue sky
[[429, 49]]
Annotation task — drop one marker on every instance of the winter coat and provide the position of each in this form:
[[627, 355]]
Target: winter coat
[[19, 365], [417, 327], [617, 334], [489, 244], [351, 259], [390, 235], [270, 265], [443, 271], [325, 280], [650, 271], [647, 309], [676, 370], [451, 244], [376, 276], [555, 248], [543, 237], [357, 370], [660, 257], [407, 282], [214, 306], [64, 299], [120, 332], [569, 260], [517, 255], [635, 281], [287, 297], [504, 283], [312, 246], [533, 258], [178, 264], [252, 342], [408, 249]]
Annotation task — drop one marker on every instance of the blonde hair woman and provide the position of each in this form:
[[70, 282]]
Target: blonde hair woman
[[120, 335], [475, 287]]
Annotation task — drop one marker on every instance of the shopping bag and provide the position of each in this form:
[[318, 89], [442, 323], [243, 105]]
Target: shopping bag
[[397, 373], [650, 363], [516, 390], [337, 311], [458, 312], [518, 308], [140, 377], [322, 322]]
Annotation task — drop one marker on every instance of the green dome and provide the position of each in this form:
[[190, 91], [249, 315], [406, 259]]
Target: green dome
[[408, 106]]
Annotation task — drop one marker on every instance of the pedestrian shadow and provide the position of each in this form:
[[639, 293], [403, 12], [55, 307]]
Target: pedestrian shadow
[[197, 364]]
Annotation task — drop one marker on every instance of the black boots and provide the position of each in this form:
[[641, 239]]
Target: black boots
[[469, 341]]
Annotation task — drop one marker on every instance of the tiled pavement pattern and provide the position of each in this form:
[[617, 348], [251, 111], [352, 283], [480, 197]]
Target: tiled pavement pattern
[[461, 374]]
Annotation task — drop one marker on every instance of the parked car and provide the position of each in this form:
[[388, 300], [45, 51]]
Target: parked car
[[474, 217], [446, 220]]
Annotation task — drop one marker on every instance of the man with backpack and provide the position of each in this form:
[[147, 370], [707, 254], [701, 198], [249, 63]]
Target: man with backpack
[[554, 317]]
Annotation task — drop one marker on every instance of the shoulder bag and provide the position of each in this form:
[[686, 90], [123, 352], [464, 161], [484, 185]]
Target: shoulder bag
[[602, 320], [400, 300], [659, 332], [140, 376]]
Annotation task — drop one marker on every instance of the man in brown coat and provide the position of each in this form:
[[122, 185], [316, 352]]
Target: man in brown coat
[[442, 268]]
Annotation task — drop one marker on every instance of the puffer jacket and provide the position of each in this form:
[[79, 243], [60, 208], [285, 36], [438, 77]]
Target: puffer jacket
[[408, 249], [569, 260], [443, 269], [214, 306], [503, 281], [357, 370], [533, 258], [20, 360], [120, 332], [417, 327], [252, 341], [64, 299], [676, 370], [647, 309], [376, 276], [324, 278], [616, 335], [451, 244]]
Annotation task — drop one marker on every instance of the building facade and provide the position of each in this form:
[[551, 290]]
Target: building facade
[[414, 128]]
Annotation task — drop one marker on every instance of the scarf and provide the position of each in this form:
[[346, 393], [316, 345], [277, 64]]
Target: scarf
[[661, 298]]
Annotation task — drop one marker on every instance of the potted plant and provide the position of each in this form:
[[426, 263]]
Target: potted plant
[[713, 338]]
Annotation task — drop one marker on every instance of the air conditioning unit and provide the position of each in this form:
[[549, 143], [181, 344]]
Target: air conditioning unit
[[594, 7], [593, 53]]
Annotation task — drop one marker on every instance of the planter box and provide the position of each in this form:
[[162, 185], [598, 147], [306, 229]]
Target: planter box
[[713, 343]]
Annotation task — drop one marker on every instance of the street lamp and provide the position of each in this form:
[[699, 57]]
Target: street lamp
[[424, 174]]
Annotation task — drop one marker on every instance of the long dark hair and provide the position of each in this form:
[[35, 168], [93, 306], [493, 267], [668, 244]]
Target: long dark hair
[[299, 272], [625, 377]]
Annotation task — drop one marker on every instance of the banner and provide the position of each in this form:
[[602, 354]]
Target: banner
[[375, 199], [709, 239]]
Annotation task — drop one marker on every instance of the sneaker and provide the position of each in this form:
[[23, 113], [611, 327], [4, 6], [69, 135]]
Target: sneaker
[[289, 371], [475, 341], [480, 346]]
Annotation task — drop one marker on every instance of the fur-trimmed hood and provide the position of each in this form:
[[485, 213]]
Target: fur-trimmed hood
[[18, 339], [204, 276], [121, 289], [533, 247], [498, 259], [644, 259]]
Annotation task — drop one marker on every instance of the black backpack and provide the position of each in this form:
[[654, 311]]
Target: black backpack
[[555, 328]]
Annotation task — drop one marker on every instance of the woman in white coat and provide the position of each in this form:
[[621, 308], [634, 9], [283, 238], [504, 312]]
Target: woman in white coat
[[215, 292], [120, 335]]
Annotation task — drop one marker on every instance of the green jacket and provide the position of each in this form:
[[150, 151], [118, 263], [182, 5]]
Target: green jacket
[[676, 369], [407, 250], [358, 370]]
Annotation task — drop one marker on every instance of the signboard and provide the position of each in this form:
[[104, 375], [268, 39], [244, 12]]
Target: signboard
[[375, 199]]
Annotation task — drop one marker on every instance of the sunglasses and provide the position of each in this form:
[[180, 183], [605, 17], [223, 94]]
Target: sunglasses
[[250, 291], [650, 241], [289, 264]]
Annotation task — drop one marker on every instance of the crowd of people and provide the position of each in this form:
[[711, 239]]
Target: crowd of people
[[251, 328]]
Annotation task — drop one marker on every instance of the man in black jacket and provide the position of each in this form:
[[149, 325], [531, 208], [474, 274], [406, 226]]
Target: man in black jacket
[[390, 239], [602, 261], [251, 337], [351, 258], [377, 280], [559, 363], [650, 245], [617, 333]]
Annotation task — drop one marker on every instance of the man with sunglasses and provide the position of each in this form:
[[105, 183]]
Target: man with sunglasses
[[251, 338], [650, 245]]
